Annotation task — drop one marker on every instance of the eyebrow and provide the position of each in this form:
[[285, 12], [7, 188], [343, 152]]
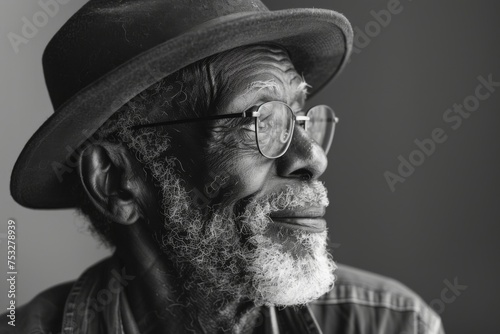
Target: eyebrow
[[272, 87], [302, 92]]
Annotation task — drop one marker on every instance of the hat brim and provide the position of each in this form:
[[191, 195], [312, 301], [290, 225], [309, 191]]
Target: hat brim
[[319, 42]]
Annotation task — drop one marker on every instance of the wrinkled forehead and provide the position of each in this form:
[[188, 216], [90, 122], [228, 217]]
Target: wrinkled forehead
[[256, 75]]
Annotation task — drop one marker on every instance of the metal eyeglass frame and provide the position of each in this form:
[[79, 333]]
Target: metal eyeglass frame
[[252, 112]]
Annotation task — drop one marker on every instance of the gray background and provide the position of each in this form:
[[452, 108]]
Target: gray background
[[440, 224]]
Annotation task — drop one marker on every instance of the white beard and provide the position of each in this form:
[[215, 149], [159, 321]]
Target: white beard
[[233, 255], [280, 279]]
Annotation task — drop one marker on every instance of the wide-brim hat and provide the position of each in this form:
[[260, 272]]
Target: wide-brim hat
[[111, 50]]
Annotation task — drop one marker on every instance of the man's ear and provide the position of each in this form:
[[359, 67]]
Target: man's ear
[[107, 175]]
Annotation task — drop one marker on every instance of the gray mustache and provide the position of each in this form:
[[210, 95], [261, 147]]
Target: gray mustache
[[307, 194]]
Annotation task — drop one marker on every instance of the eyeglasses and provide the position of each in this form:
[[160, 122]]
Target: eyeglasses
[[274, 124]]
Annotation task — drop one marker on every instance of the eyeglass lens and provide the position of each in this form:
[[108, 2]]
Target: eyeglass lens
[[274, 127], [321, 125]]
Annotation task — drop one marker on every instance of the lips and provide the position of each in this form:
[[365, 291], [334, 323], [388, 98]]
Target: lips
[[309, 219]]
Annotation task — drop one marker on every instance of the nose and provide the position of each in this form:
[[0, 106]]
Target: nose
[[304, 159]]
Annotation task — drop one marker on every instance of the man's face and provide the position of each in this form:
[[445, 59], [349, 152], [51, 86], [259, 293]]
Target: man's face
[[236, 221]]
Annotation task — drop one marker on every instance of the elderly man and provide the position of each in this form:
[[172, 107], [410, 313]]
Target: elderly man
[[181, 132]]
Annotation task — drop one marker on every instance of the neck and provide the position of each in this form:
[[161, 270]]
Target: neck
[[162, 302]]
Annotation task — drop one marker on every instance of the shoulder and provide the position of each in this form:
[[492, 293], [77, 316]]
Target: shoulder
[[365, 301], [43, 314]]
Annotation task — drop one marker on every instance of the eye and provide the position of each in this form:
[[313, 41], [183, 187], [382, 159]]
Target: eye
[[248, 124], [266, 123]]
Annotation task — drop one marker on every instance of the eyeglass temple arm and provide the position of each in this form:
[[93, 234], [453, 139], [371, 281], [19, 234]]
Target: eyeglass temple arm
[[248, 113]]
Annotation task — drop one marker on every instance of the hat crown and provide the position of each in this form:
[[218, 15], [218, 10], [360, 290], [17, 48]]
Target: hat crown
[[105, 34]]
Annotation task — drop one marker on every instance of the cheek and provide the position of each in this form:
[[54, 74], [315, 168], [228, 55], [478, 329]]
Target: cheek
[[233, 158], [252, 174], [242, 176], [219, 171]]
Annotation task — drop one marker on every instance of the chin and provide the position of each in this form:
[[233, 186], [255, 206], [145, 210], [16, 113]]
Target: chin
[[285, 275]]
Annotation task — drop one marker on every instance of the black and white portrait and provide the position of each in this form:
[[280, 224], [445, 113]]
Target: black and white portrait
[[249, 166]]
